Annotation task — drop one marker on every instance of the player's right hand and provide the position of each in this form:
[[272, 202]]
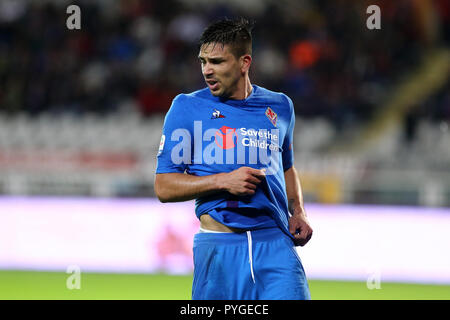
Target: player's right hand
[[243, 181]]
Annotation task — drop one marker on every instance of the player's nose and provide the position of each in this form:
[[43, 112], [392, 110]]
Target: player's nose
[[207, 71]]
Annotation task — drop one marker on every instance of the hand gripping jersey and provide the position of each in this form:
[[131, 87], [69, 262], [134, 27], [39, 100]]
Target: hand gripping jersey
[[204, 135]]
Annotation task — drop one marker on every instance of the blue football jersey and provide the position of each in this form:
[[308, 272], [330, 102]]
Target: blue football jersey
[[204, 135]]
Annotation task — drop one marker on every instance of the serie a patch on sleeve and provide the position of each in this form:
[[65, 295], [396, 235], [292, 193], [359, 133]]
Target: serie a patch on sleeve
[[161, 144]]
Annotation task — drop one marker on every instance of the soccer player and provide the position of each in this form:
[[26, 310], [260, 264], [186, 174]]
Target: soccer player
[[229, 146]]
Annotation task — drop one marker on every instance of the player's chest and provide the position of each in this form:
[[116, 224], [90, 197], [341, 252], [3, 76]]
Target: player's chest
[[229, 127], [252, 119]]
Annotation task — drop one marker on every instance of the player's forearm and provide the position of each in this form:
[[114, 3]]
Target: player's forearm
[[294, 191], [174, 187]]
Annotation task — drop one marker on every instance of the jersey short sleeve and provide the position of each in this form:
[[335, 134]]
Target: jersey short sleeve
[[288, 143], [175, 133]]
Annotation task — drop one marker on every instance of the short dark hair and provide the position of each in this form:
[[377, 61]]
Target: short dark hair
[[235, 32]]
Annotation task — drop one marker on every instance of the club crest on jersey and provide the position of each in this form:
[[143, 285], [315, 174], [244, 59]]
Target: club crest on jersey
[[216, 114], [272, 116]]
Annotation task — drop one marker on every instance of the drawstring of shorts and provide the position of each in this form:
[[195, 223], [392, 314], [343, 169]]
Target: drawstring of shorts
[[250, 254]]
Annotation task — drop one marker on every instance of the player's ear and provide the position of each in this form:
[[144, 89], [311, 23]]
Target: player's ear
[[246, 61]]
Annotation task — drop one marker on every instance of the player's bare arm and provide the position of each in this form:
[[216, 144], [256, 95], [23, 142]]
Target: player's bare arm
[[299, 225], [174, 187]]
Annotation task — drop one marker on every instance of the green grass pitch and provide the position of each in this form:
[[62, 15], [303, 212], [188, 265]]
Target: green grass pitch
[[52, 285]]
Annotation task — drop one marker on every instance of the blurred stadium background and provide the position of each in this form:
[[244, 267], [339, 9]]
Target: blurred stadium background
[[81, 113]]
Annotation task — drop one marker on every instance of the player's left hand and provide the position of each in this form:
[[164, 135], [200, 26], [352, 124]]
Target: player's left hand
[[300, 228]]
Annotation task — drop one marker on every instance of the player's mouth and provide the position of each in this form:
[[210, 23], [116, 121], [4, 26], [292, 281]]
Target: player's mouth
[[212, 84]]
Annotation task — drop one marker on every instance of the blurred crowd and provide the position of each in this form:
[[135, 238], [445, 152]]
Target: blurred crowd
[[137, 55]]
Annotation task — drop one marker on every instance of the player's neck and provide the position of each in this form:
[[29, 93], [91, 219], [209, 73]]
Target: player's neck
[[244, 89]]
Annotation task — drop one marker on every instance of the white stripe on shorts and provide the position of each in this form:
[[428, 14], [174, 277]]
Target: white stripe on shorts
[[250, 254]]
